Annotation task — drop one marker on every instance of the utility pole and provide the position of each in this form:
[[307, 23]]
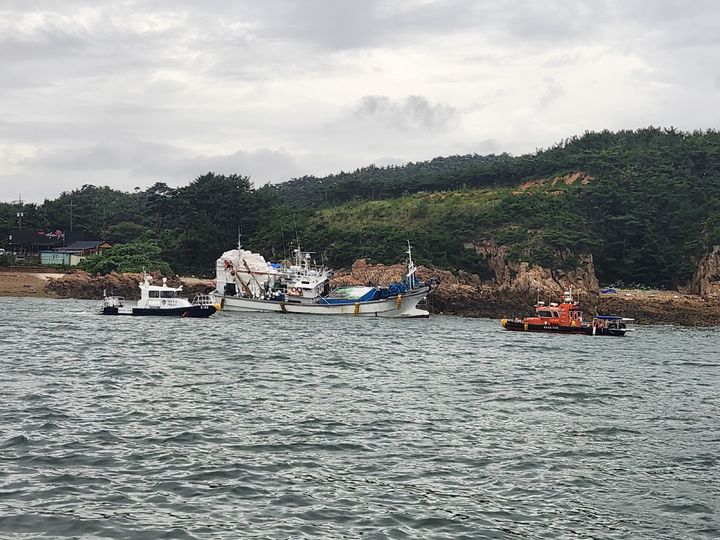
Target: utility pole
[[71, 214], [20, 214]]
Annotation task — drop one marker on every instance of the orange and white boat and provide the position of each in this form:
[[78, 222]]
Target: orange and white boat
[[566, 317]]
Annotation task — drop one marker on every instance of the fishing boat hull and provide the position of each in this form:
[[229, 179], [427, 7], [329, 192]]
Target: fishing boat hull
[[195, 312], [521, 326], [404, 306]]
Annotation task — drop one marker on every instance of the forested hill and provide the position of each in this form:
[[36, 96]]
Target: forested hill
[[648, 206], [603, 154], [645, 204]]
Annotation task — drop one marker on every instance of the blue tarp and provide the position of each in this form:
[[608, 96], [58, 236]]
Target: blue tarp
[[608, 317], [397, 288], [351, 295]]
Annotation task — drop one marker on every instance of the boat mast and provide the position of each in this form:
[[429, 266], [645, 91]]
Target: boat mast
[[298, 251], [411, 267]]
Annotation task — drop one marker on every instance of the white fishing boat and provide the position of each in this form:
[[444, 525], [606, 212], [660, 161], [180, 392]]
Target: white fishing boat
[[160, 301], [246, 282]]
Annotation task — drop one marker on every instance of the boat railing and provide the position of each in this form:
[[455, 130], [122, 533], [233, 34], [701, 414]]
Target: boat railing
[[112, 301], [202, 300]]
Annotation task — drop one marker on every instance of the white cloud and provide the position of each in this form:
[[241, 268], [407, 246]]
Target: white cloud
[[133, 92]]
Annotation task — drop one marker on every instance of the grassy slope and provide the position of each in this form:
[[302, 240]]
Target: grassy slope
[[440, 224]]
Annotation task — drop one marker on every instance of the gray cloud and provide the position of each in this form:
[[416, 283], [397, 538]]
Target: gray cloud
[[128, 93], [413, 112]]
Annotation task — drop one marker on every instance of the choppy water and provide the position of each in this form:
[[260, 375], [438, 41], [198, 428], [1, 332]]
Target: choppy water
[[277, 426]]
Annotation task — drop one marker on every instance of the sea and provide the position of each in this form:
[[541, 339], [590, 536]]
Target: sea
[[282, 426]]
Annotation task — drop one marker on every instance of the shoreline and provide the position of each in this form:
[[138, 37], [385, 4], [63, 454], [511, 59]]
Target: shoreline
[[23, 284], [645, 306]]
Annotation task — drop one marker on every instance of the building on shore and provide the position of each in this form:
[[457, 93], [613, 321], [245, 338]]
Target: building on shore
[[72, 254], [52, 247]]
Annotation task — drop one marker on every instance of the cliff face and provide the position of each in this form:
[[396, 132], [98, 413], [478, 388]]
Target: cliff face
[[706, 279], [519, 278]]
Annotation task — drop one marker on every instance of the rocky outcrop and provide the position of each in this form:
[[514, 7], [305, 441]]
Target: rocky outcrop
[[80, 284], [513, 290], [456, 294], [521, 279], [706, 279], [566, 179], [662, 307]]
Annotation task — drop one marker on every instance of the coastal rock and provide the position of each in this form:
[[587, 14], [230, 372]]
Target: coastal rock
[[662, 307], [706, 279], [80, 284], [513, 291], [527, 281], [459, 293], [454, 294]]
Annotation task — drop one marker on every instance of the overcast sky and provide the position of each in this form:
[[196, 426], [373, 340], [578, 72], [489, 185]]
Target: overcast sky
[[129, 93]]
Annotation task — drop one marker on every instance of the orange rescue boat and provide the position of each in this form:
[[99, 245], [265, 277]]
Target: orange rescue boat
[[566, 318]]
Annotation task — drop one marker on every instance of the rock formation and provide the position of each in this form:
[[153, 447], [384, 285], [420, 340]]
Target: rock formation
[[520, 280], [513, 290], [706, 279], [80, 284]]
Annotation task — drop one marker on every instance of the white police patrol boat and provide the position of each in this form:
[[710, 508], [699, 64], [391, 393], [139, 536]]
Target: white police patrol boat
[[159, 301]]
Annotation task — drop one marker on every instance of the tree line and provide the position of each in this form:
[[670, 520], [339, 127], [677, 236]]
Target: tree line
[[650, 208]]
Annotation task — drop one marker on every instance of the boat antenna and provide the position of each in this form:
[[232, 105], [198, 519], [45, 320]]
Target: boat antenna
[[282, 235], [239, 236], [297, 236], [297, 240]]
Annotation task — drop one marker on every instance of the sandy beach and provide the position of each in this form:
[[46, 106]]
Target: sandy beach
[[22, 283]]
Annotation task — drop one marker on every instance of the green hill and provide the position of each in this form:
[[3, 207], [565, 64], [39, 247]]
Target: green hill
[[645, 204], [646, 207]]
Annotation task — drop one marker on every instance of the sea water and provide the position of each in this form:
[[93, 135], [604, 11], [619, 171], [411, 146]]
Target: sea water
[[279, 426]]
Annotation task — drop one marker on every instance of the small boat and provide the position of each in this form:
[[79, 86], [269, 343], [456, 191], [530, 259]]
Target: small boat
[[160, 301], [566, 318], [246, 282]]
